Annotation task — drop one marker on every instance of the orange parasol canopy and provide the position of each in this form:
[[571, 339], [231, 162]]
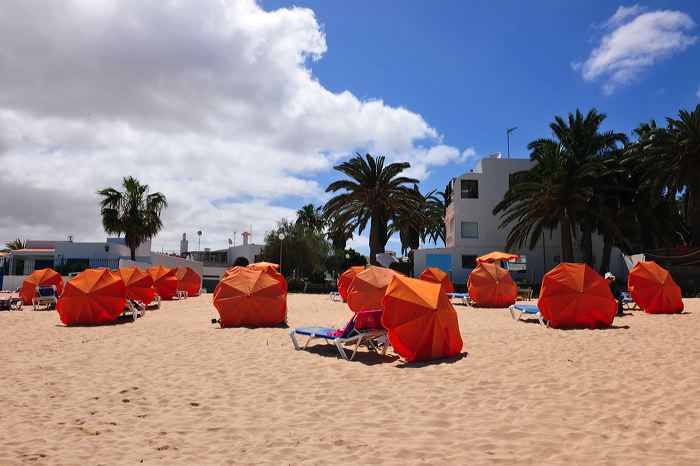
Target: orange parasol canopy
[[188, 280], [41, 277], [367, 288], [262, 265], [346, 279], [575, 296], [496, 256], [421, 321], [491, 286], [250, 297], [653, 289], [165, 281], [93, 297], [139, 284], [436, 275]]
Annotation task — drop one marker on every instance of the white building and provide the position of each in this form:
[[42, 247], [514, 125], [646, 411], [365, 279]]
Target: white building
[[473, 230]]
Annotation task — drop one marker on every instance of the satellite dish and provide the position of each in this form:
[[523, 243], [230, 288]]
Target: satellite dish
[[199, 233]]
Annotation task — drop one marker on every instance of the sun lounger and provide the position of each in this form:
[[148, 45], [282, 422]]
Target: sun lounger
[[181, 294], [527, 309], [134, 308], [464, 297], [45, 296], [335, 296], [10, 303], [627, 301], [364, 328]]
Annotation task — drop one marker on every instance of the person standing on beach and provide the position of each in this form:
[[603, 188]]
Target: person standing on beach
[[617, 294]]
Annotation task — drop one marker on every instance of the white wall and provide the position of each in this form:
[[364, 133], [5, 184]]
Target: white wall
[[171, 262], [249, 251]]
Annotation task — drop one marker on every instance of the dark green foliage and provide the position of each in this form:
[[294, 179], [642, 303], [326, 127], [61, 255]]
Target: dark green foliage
[[373, 193], [241, 262], [132, 212]]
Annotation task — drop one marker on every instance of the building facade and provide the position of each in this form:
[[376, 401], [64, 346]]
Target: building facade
[[473, 230]]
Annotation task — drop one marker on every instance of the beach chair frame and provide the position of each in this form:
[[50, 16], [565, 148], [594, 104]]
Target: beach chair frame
[[464, 297], [526, 311], [42, 299], [335, 296]]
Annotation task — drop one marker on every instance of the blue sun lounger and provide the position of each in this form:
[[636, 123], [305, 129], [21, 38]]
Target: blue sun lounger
[[527, 309], [364, 327], [464, 297]]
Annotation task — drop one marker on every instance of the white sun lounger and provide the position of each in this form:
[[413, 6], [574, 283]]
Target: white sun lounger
[[527, 309]]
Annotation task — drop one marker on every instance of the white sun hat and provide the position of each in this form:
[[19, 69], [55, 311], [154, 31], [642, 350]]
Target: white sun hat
[[609, 275]]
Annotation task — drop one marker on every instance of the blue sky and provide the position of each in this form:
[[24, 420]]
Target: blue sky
[[472, 69]]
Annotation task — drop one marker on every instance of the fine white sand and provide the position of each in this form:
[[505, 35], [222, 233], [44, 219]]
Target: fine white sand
[[174, 389]]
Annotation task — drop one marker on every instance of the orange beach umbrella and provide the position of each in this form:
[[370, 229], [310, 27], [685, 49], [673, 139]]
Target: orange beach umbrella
[[496, 256], [165, 281], [41, 277], [262, 265], [368, 287], [250, 297], [436, 275], [421, 321], [139, 284], [188, 280], [491, 286], [653, 289], [93, 297], [346, 279], [575, 296]]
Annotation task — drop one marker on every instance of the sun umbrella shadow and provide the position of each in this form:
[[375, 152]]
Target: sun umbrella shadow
[[434, 362], [122, 320]]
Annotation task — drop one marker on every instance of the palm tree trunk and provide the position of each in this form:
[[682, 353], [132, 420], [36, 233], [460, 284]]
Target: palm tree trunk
[[133, 253], [588, 241], [694, 213], [607, 251], [377, 238], [567, 249]]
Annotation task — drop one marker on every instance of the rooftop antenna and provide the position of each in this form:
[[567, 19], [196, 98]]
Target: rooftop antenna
[[234, 237], [508, 131]]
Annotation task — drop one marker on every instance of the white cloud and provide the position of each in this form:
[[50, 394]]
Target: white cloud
[[212, 103], [637, 42]]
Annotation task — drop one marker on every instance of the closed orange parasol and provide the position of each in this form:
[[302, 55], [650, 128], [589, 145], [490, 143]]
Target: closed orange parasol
[[421, 321], [346, 279], [367, 289], [250, 297], [165, 281], [654, 290], [491, 286], [93, 297], [41, 277], [139, 284], [575, 296], [496, 256], [188, 280], [436, 275]]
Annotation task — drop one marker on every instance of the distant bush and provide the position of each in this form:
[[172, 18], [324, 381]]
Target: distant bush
[[241, 262]]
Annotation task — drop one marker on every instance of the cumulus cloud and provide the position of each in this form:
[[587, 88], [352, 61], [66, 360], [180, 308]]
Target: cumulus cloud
[[212, 103], [635, 41]]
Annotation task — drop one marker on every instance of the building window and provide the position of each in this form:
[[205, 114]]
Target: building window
[[470, 189], [470, 230], [468, 262]]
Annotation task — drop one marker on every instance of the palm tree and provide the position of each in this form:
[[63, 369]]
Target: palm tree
[[374, 193], [133, 212], [581, 138], [548, 195], [667, 160], [16, 244], [340, 230], [435, 210], [311, 217]]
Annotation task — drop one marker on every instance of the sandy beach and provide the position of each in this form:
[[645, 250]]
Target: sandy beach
[[172, 388]]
